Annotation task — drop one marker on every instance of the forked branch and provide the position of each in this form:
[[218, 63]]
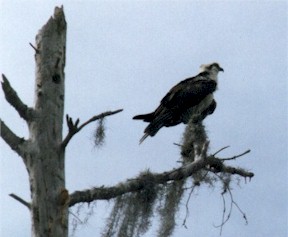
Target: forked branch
[[73, 127], [11, 96], [226, 217]]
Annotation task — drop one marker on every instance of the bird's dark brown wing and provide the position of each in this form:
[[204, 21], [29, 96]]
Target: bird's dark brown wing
[[188, 93], [176, 102]]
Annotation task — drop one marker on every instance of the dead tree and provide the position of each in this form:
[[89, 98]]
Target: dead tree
[[43, 154]]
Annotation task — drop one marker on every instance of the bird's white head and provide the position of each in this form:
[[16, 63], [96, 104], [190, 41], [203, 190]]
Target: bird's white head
[[212, 69]]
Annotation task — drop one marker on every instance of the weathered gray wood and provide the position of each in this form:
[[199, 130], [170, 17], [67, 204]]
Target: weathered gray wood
[[11, 96], [15, 142], [45, 158]]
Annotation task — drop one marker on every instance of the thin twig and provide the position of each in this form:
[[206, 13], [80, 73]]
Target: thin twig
[[225, 147], [232, 202], [37, 51], [239, 209], [187, 208], [224, 220], [26, 204], [76, 217], [223, 214], [237, 156]]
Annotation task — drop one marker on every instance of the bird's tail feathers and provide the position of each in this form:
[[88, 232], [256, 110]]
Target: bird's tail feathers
[[143, 138], [155, 126], [145, 117]]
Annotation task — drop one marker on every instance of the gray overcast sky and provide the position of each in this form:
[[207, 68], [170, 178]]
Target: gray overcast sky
[[128, 54]]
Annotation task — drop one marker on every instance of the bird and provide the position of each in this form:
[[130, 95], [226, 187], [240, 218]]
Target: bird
[[191, 99]]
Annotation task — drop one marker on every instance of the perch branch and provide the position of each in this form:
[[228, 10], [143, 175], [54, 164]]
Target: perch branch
[[11, 96], [106, 193], [73, 127], [11, 138], [26, 204]]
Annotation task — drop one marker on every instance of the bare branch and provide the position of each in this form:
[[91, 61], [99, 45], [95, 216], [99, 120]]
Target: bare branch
[[225, 147], [106, 193], [10, 138], [240, 210], [216, 165], [235, 157], [73, 127], [100, 116], [11, 96], [26, 204], [239, 171]]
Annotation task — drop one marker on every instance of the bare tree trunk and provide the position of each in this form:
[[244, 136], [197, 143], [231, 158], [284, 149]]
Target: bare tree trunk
[[45, 162], [43, 154]]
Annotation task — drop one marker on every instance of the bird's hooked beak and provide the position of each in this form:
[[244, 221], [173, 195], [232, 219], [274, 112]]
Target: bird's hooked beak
[[221, 69]]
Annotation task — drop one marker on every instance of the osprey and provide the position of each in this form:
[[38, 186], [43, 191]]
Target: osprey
[[191, 99]]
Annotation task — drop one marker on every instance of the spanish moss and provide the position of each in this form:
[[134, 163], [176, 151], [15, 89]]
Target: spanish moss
[[99, 134]]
